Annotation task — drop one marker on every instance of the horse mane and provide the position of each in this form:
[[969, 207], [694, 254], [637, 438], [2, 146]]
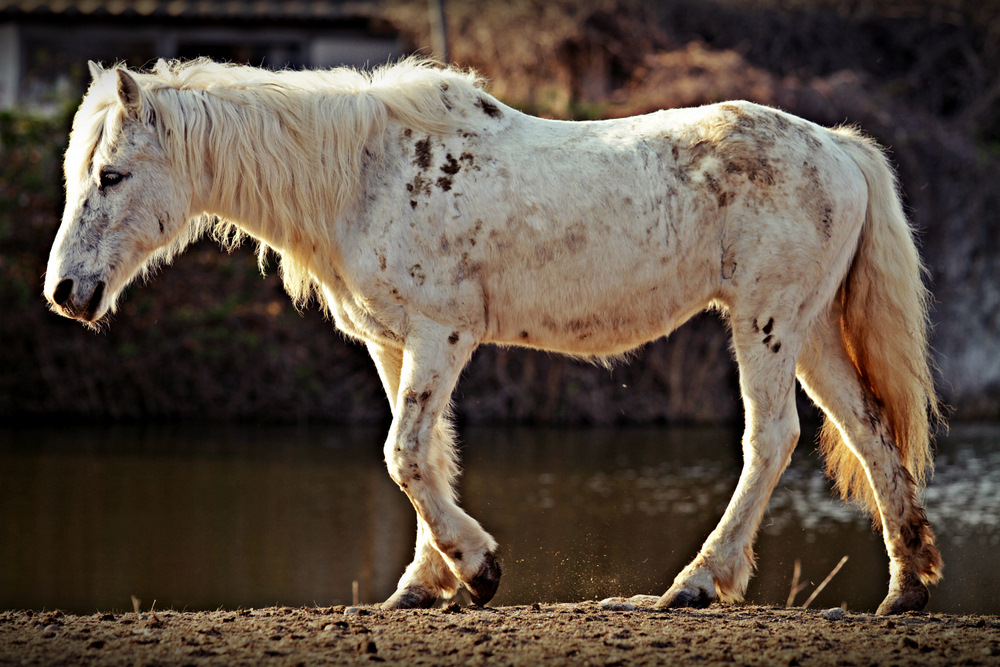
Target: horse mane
[[285, 149]]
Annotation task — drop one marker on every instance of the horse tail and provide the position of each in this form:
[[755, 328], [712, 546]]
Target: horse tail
[[884, 328]]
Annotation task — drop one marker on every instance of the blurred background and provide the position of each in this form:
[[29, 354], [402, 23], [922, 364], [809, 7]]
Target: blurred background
[[210, 358]]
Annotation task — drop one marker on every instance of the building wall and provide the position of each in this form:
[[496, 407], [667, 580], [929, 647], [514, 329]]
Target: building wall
[[42, 63]]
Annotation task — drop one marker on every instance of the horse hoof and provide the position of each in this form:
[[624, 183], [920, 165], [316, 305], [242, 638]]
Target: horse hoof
[[484, 585], [411, 597], [911, 599], [697, 598]]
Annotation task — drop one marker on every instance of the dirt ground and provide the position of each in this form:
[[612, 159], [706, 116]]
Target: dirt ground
[[586, 633]]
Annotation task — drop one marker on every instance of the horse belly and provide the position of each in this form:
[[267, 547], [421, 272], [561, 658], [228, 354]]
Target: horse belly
[[606, 298]]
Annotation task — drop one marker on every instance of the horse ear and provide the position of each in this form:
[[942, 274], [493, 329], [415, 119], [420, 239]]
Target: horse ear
[[95, 69], [128, 93]]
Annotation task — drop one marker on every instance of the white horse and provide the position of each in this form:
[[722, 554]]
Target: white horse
[[428, 218]]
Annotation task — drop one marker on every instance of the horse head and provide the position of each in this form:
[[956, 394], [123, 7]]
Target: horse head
[[125, 205]]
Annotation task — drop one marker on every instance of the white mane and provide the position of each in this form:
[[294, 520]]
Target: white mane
[[264, 137]]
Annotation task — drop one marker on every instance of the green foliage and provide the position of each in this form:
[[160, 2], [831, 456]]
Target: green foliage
[[31, 149]]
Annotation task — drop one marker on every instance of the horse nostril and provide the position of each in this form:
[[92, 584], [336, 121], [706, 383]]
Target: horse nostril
[[95, 300], [63, 291]]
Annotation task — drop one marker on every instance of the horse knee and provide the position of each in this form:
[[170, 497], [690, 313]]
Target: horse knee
[[770, 443], [403, 464]]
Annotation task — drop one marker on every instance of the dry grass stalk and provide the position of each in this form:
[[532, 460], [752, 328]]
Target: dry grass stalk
[[796, 587], [822, 585]]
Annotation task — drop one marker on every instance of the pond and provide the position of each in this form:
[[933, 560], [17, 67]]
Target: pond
[[244, 516]]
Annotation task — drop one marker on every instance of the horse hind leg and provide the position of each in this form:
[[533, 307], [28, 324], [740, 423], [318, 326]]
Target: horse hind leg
[[865, 462], [723, 566]]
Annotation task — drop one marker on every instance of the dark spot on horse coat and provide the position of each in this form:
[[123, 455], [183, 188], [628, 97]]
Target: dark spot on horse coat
[[413, 203], [419, 186], [450, 165], [524, 335], [740, 140], [444, 183], [453, 338], [873, 412], [478, 227], [422, 153], [576, 238], [744, 121], [417, 272], [815, 198], [466, 269], [410, 398], [488, 108], [809, 138], [722, 197], [826, 219], [776, 345], [755, 168]]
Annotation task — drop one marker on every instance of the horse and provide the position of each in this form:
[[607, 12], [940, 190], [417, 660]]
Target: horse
[[428, 218]]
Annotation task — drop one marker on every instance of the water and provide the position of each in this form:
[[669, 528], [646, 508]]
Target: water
[[209, 517]]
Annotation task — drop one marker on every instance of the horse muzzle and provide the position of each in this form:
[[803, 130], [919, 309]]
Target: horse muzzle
[[79, 299]]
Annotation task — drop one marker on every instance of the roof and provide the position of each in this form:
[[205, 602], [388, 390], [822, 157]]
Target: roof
[[243, 10]]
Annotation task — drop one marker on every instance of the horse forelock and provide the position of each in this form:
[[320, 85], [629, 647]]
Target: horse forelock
[[89, 127]]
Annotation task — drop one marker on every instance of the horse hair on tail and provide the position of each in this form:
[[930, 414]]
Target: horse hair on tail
[[884, 323]]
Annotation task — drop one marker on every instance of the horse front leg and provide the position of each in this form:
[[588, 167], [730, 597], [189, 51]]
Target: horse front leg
[[428, 576], [723, 566], [420, 455]]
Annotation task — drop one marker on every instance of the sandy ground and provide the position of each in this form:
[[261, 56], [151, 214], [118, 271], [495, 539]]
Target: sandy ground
[[586, 633]]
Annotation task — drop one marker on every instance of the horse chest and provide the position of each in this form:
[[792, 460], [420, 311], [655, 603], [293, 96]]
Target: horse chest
[[364, 316]]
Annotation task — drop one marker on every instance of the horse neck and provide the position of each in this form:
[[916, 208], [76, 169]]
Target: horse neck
[[278, 171]]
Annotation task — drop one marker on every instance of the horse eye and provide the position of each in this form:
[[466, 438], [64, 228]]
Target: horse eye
[[110, 179]]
